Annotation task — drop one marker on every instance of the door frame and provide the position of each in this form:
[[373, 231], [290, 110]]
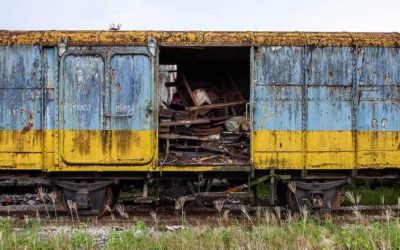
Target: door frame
[[106, 53]]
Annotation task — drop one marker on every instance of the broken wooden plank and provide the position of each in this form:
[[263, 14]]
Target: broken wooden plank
[[166, 113], [172, 136], [185, 122], [188, 89], [215, 106]]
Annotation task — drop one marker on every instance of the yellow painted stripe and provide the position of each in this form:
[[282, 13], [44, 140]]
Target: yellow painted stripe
[[136, 150], [20, 141], [325, 149], [77, 150]]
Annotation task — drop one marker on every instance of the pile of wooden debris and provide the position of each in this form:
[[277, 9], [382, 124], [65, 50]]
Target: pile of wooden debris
[[204, 124]]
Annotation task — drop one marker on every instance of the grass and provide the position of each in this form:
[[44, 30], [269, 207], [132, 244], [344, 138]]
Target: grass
[[265, 231], [372, 196]]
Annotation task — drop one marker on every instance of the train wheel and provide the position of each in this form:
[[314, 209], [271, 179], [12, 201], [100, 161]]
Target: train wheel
[[98, 201], [317, 199]]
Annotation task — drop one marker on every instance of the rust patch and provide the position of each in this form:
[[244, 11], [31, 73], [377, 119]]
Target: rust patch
[[29, 125], [125, 141], [191, 38]]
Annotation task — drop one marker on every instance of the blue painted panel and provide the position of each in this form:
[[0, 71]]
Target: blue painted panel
[[83, 83], [378, 116], [329, 76], [20, 88], [131, 89], [20, 66], [329, 65], [20, 109], [379, 108], [378, 76], [378, 66], [329, 108], [278, 108], [279, 65]]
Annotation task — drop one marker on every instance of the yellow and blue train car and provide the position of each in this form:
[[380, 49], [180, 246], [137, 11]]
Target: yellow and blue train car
[[80, 108]]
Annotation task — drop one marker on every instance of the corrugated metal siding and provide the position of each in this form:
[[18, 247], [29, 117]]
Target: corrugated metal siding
[[21, 74], [378, 110], [20, 98], [313, 98]]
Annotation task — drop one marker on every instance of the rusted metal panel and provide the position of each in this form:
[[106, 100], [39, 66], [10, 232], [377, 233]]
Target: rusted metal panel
[[278, 109], [378, 79], [329, 88], [131, 92], [191, 38], [20, 67], [20, 99], [378, 107], [106, 102], [82, 124], [349, 101], [278, 94]]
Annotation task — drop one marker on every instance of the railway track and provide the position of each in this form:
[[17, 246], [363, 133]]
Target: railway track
[[170, 213]]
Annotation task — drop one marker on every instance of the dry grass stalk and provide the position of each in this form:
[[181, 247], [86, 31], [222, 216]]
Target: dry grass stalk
[[304, 214], [26, 219], [38, 216], [278, 213], [289, 216], [219, 205], [108, 209], [42, 193], [382, 198], [53, 198], [121, 211], [72, 207], [153, 215], [292, 187], [180, 204], [225, 216], [246, 215], [398, 204], [354, 199], [389, 214], [259, 211]]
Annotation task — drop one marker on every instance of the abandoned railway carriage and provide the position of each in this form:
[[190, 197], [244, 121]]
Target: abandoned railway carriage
[[202, 114]]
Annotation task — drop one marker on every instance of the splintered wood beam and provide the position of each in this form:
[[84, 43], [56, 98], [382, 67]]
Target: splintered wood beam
[[188, 89], [172, 136], [215, 106], [185, 122]]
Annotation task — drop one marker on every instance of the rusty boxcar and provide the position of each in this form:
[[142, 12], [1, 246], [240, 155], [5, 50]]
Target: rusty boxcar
[[92, 112]]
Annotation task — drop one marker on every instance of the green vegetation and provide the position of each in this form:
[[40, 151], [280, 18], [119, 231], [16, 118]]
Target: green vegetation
[[373, 196], [264, 230]]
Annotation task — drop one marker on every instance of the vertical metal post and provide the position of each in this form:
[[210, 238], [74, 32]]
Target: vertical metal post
[[273, 187], [354, 97], [304, 108]]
